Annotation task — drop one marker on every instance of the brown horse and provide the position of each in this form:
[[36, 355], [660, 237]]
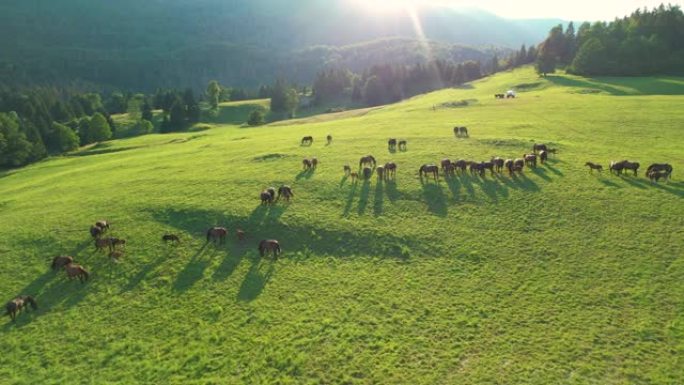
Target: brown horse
[[616, 167], [74, 270], [518, 165], [367, 172], [460, 131], [620, 166], [530, 160], [655, 175], [539, 147], [269, 246], [594, 166], [347, 169], [367, 160], [217, 234], [61, 261], [498, 164], [392, 144], [101, 243], [314, 162], [381, 172], [508, 163], [633, 166], [390, 170], [402, 145], [427, 169], [543, 156], [286, 192], [306, 164], [307, 140], [487, 166], [170, 238], [665, 167], [461, 164], [445, 165], [266, 198], [19, 303], [96, 231], [329, 139]]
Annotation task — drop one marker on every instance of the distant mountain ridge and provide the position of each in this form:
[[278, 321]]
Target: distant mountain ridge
[[141, 45]]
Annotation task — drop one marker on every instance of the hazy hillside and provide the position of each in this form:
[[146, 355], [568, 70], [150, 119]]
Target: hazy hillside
[[143, 45]]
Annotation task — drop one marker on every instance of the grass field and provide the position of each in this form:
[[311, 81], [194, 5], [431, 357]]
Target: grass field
[[556, 277]]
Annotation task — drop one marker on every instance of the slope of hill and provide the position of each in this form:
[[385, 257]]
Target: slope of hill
[[176, 43], [557, 276]]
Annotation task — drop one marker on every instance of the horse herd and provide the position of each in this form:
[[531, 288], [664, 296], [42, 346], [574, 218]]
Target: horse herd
[[655, 172]]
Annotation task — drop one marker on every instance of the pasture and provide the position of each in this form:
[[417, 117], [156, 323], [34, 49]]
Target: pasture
[[555, 277]]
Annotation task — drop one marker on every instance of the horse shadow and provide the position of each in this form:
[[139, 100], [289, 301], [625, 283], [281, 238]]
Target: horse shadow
[[672, 188], [467, 184], [191, 273], [522, 181], [255, 281], [633, 181], [553, 169], [350, 198], [305, 174], [264, 213], [230, 262], [493, 189], [379, 197], [391, 189], [609, 182], [343, 180], [455, 187], [540, 172], [392, 150], [363, 196], [435, 199]]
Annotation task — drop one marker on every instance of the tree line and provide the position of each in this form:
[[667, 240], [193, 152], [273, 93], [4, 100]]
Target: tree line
[[643, 43]]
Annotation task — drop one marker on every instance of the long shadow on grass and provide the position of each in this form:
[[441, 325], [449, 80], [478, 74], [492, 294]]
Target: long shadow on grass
[[350, 198], [673, 188], [540, 172], [467, 184], [553, 169], [267, 213], [256, 279], [435, 199], [230, 262], [454, 186], [523, 182], [305, 174], [634, 181], [363, 197], [493, 188], [391, 189], [379, 197]]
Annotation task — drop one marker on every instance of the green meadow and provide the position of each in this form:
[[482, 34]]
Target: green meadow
[[557, 276]]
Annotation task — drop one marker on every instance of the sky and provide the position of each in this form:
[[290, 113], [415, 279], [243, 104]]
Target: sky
[[580, 10]]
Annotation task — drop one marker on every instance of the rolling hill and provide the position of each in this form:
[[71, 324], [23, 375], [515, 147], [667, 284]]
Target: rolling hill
[[556, 276]]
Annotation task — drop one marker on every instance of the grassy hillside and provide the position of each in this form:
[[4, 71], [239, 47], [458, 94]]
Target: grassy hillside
[[556, 277]]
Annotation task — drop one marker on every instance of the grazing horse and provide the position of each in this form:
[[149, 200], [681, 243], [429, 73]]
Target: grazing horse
[[329, 139], [667, 168], [508, 163], [518, 165], [487, 166], [367, 172], [347, 169], [95, 231], [354, 176], [539, 147], [269, 246], [367, 160], [543, 156], [402, 145], [616, 167], [477, 168], [18, 304], [530, 160], [314, 163], [498, 164], [217, 234], [427, 169], [656, 175], [307, 140], [390, 170], [633, 166], [101, 243], [74, 270], [594, 166], [240, 234], [266, 198], [392, 144], [306, 164], [461, 131], [170, 238], [103, 224], [381, 172], [461, 164], [445, 163], [286, 192], [499, 96], [61, 261]]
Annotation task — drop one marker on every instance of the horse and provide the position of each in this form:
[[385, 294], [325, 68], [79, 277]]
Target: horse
[[307, 140], [539, 147], [306, 164], [116, 242], [217, 234], [445, 164], [367, 160], [543, 156], [656, 175], [381, 172], [530, 160], [286, 192], [347, 169], [461, 164], [667, 168], [508, 163], [18, 304], [633, 166], [499, 96], [170, 238], [103, 224], [616, 167], [392, 144], [498, 163], [461, 131], [390, 170], [594, 166], [74, 270], [314, 163], [266, 198], [367, 172], [402, 145], [101, 243], [60, 261], [487, 166], [95, 231], [518, 165], [240, 234], [269, 246], [426, 169], [329, 139]]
